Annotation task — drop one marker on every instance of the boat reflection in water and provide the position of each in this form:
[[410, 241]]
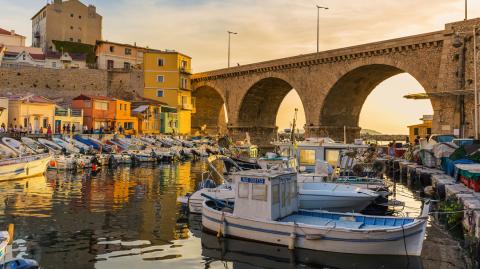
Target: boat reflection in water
[[248, 254]]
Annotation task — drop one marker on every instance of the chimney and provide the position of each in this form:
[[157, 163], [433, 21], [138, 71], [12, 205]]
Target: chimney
[[92, 10], [12, 32]]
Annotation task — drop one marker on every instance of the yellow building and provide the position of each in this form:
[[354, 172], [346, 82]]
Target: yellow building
[[68, 116], [167, 79], [31, 111], [423, 129], [148, 115], [123, 117]]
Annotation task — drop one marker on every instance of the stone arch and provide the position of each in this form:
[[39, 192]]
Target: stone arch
[[258, 109], [344, 101], [210, 113]]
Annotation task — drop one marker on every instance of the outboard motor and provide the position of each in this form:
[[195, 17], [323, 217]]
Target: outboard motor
[[112, 162]]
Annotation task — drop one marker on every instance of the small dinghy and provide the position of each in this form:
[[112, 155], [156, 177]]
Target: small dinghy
[[266, 210], [17, 146], [34, 145], [50, 145], [64, 144]]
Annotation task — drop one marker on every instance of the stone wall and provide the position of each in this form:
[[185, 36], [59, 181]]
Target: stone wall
[[62, 85]]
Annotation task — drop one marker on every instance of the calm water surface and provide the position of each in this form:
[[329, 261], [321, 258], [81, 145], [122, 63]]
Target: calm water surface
[[129, 218]]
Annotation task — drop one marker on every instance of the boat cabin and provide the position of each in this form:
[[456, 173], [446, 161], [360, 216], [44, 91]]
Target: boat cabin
[[265, 194], [309, 151]]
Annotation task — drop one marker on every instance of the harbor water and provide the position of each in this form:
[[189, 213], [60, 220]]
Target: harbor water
[[129, 217]]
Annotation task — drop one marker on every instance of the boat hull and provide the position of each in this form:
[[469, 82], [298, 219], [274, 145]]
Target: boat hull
[[407, 240], [24, 167], [334, 203]]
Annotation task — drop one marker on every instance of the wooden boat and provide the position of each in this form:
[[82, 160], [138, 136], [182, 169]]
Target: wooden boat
[[249, 254], [17, 146], [23, 167], [66, 145], [266, 210]]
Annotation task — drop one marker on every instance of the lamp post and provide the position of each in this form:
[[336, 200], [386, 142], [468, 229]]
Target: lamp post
[[318, 22], [229, 34], [475, 88], [466, 9]]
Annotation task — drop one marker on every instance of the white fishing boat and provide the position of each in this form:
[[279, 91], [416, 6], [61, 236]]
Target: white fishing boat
[[53, 147], [266, 210], [34, 145], [17, 146], [66, 145], [23, 167]]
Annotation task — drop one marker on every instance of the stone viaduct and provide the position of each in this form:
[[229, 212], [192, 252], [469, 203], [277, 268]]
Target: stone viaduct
[[334, 84]]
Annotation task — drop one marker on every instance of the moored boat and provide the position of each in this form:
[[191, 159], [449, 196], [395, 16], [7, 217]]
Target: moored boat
[[266, 210], [23, 167]]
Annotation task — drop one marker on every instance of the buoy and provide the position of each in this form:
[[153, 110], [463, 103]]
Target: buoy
[[11, 229], [53, 163], [94, 167]]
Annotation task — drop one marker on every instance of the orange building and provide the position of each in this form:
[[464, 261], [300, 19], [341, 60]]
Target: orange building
[[124, 118], [98, 111]]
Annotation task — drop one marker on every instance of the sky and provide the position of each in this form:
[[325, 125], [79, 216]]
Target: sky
[[270, 29]]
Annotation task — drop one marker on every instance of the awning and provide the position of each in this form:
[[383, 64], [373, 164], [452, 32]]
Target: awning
[[423, 95], [140, 109]]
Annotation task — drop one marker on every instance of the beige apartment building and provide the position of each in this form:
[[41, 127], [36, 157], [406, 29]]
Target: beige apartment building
[[66, 21], [111, 55]]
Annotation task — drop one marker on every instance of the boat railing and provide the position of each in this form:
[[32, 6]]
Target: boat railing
[[23, 159]]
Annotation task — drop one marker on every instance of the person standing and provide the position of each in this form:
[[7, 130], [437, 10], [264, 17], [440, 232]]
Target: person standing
[[49, 130], [73, 128], [68, 128], [64, 128]]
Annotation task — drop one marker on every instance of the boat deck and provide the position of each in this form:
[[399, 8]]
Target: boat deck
[[346, 221]]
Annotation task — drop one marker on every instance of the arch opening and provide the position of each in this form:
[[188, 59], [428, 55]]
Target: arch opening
[[210, 113], [340, 114], [259, 109]]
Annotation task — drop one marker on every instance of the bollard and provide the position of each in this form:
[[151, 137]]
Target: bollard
[[11, 229]]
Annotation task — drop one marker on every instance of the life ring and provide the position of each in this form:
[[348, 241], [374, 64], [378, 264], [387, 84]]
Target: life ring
[[53, 163]]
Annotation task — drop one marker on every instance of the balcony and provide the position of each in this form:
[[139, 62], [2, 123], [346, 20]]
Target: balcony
[[185, 70], [71, 112]]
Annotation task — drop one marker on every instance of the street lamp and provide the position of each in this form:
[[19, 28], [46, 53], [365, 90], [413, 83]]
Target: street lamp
[[229, 34], [318, 22], [475, 88]]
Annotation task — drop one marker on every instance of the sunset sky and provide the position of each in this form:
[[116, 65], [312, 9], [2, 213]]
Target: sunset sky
[[270, 29]]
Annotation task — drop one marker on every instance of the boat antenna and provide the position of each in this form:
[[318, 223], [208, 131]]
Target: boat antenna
[[292, 133]]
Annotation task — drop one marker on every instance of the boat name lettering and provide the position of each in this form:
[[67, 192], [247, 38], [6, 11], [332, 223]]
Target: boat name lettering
[[252, 180]]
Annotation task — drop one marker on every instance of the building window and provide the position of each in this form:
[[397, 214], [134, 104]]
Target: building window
[[54, 64], [160, 79], [71, 27], [71, 15], [128, 51], [112, 48], [160, 62], [184, 64], [71, 39], [101, 105], [415, 131], [80, 17], [159, 93], [126, 66], [45, 123], [429, 131], [184, 101], [109, 64]]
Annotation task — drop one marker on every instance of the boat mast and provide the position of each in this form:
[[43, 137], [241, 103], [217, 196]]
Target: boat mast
[[292, 133]]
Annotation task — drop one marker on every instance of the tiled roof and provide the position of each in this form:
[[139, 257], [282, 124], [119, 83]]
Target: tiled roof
[[6, 32], [37, 56], [92, 97], [30, 98]]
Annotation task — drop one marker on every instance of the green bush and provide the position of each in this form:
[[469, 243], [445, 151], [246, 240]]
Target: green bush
[[73, 47]]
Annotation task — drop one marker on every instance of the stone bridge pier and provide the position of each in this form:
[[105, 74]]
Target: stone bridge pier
[[333, 86]]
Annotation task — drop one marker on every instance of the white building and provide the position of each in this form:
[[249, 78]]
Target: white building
[[65, 60]]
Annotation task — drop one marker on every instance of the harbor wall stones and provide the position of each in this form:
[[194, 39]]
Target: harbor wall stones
[[333, 85], [62, 85]]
